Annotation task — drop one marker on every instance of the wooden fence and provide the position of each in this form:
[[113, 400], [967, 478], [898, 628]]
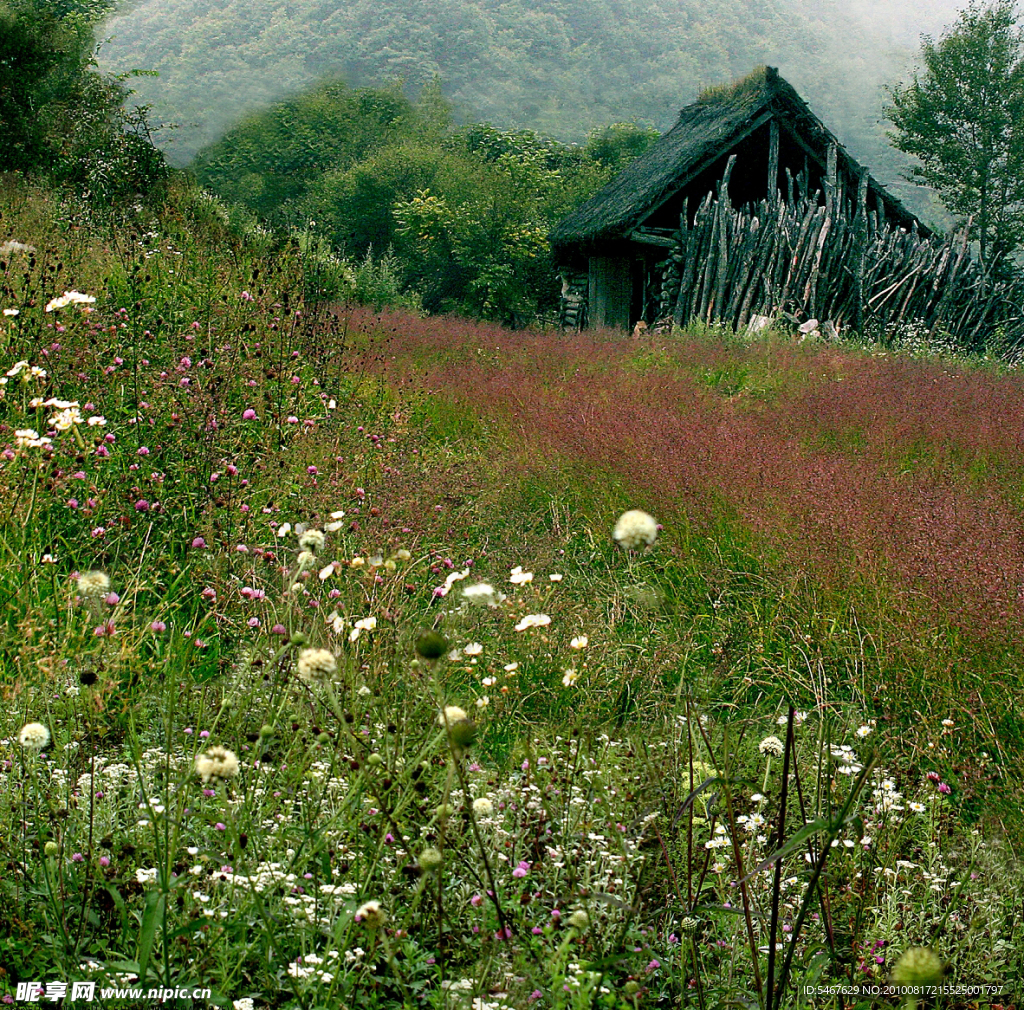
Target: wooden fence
[[824, 258]]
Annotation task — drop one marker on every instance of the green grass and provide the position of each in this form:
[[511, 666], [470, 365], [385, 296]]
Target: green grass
[[601, 770]]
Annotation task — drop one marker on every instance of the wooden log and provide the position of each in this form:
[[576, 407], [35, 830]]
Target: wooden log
[[773, 162], [724, 220]]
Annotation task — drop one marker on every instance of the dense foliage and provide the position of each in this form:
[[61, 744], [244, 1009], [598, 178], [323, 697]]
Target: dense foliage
[[58, 115], [561, 67], [466, 212], [962, 117]]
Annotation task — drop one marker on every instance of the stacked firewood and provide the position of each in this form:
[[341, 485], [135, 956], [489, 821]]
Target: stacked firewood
[[814, 256]]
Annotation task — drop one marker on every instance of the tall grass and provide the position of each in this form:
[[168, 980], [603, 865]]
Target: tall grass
[[750, 759]]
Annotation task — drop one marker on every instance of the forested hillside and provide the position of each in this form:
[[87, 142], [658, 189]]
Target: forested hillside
[[557, 66]]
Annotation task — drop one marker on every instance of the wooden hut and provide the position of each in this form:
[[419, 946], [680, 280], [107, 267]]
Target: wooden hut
[[753, 143]]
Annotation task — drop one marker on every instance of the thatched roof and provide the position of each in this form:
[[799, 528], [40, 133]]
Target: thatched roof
[[705, 131]]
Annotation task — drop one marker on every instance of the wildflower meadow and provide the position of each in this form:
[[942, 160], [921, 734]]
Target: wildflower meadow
[[363, 659]]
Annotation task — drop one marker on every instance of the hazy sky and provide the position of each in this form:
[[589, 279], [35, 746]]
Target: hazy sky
[[906, 20]]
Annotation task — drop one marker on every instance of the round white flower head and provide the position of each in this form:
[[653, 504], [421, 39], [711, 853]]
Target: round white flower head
[[482, 594], [771, 746], [34, 736], [93, 585], [451, 715], [316, 665], [371, 915], [635, 529], [313, 541], [483, 807], [216, 763]]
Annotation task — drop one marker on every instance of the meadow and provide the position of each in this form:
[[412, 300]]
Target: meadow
[[327, 681]]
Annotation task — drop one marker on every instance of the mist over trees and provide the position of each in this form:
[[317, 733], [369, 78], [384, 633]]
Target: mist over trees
[[561, 67]]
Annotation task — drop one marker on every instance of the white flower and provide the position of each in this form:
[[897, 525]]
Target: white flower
[[453, 577], [473, 649], [864, 731], [313, 541], [34, 736], [555, 577], [316, 665], [580, 642], [12, 312], [533, 621], [93, 585], [634, 529], [483, 701], [483, 807], [29, 438], [97, 421], [570, 677], [771, 746], [799, 718], [326, 572], [69, 298], [146, 876], [284, 529], [519, 577], [67, 418], [216, 763], [365, 624], [372, 915], [511, 667], [451, 715], [482, 594], [948, 723]]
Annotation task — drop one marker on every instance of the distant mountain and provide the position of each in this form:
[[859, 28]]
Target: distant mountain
[[557, 66]]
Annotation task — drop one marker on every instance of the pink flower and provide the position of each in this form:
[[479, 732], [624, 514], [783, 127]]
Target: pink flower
[[78, 858], [158, 626], [142, 451], [142, 505], [248, 414], [477, 900], [99, 531], [312, 470], [279, 629], [943, 788], [111, 599], [104, 630], [102, 451], [104, 860], [199, 542]]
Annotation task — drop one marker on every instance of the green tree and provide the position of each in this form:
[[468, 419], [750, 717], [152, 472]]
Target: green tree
[[962, 117]]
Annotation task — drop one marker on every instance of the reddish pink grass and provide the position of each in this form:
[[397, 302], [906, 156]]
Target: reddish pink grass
[[950, 531]]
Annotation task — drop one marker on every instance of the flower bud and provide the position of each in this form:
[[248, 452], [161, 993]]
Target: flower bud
[[579, 920], [462, 733], [919, 966], [430, 860], [298, 638], [375, 760], [51, 848], [431, 645]]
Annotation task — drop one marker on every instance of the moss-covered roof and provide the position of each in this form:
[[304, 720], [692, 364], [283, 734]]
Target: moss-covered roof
[[706, 129]]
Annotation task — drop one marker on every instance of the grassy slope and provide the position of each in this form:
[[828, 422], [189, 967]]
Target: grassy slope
[[802, 492]]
